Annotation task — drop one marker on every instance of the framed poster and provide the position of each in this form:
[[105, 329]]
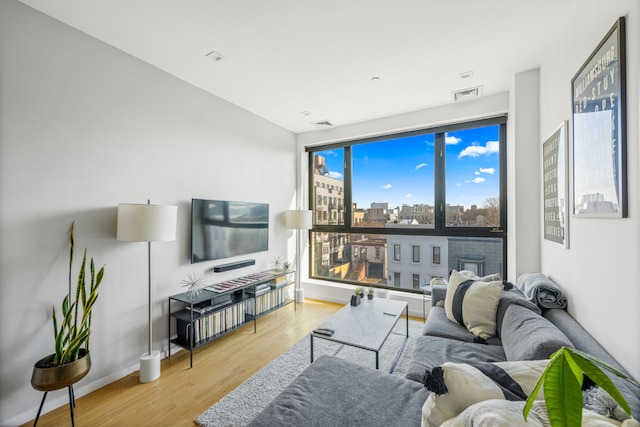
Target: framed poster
[[555, 186], [599, 130]]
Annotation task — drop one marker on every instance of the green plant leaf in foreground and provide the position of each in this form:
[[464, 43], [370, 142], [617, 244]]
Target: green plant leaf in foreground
[[592, 370], [562, 382], [563, 393]]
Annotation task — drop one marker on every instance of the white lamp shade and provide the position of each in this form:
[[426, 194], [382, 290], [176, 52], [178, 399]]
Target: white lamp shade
[[146, 223], [298, 219]]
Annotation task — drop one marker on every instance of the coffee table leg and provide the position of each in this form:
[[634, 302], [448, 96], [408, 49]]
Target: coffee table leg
[[311, 347], [377, 360], [406, 313]]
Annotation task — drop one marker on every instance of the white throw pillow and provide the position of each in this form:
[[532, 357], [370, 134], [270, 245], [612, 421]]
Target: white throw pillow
[[474, 304]]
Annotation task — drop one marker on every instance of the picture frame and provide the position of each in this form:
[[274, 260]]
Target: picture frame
[[555, 185], [598, 93]]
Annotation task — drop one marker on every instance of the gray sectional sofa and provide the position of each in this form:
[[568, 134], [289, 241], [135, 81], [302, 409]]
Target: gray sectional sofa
[[334, 392]]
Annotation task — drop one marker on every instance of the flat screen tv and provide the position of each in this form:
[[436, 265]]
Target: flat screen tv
[[224, 229]]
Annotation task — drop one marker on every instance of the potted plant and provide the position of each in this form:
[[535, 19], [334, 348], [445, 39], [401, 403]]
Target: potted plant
[[70, 361], [370, 293], [562, 380], [357, 298]]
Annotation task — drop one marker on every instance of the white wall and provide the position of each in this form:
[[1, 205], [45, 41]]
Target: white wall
[[84, 127], [601, 270]]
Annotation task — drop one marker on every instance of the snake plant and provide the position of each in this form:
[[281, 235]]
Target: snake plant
[[75, 327]]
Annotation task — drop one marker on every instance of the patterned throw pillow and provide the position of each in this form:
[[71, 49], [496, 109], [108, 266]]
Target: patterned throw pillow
[[456, 386], [472, 302]]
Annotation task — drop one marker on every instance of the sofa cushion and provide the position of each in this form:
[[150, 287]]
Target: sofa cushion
[[430, 352], [472, 301], [509, 297], [335, 392], [438, 325], [526, 335], [467, 384]]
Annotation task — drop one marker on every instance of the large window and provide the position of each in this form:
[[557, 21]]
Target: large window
[[437, 191]]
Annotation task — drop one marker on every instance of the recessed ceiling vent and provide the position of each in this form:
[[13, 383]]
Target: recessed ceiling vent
[[323, 124], [467, 94]]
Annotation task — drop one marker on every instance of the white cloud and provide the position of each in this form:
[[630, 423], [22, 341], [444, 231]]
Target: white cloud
[[490, 171], [408, 195], [451, 140], [477, 173], [387, 186], [476, 150], [336, 175], [421, 165], [478, 180]]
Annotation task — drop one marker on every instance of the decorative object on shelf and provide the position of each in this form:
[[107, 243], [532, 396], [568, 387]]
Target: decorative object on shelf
[[194, 284], [286, 266], [356, 299], [147, 223], [71, 360], [276, 264], [298, 220], [370, 293], [599, 111], [563, 380]]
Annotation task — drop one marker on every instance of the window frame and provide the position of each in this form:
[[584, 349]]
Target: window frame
[[440, 228]]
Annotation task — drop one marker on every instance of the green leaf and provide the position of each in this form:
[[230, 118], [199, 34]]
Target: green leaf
[[536, 389], [600, 378], [605, 365], [55, 323], [562, 392], [71, 249]]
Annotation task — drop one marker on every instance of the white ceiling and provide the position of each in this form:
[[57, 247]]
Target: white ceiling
[[286, 57]]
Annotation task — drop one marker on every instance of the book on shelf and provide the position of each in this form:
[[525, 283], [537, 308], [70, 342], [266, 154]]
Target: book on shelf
[[214, 324], [200, 309]]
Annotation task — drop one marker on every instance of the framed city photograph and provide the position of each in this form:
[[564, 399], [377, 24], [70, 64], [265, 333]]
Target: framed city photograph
[[555, 184], [599, 130]]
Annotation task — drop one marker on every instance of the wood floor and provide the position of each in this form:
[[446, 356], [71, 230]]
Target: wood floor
[[181, 394]]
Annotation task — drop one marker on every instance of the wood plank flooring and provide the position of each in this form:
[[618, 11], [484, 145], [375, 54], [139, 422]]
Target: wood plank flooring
[[181, 394]]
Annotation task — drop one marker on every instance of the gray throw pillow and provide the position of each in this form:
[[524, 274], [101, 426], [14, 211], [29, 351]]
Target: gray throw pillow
[[528, 336]]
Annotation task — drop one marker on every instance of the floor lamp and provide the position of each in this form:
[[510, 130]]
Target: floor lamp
[[298, 220], [147, 223]]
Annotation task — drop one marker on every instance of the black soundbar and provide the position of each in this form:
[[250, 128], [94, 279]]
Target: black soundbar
[[233, 265]]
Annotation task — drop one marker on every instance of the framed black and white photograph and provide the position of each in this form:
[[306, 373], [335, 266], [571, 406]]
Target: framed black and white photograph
[[555, 184], [599, 130]]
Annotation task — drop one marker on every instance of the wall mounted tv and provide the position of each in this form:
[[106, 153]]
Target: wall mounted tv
[[223, 229]]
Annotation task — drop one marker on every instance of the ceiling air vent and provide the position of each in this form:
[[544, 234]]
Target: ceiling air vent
[[323, 124], [467, 94]]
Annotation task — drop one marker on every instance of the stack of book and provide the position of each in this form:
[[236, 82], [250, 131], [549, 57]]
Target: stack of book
[[258, 289], [278, 282]]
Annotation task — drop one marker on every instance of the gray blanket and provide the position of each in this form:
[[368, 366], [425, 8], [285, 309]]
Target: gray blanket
[[541, 290]]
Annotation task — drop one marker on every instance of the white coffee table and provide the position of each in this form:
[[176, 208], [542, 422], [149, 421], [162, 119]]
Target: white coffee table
[[366, 326]]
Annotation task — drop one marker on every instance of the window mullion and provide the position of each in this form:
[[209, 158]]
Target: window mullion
[[348, 193], [439, 181]]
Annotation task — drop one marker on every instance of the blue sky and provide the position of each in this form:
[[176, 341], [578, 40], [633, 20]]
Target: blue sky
[[400, 171]]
